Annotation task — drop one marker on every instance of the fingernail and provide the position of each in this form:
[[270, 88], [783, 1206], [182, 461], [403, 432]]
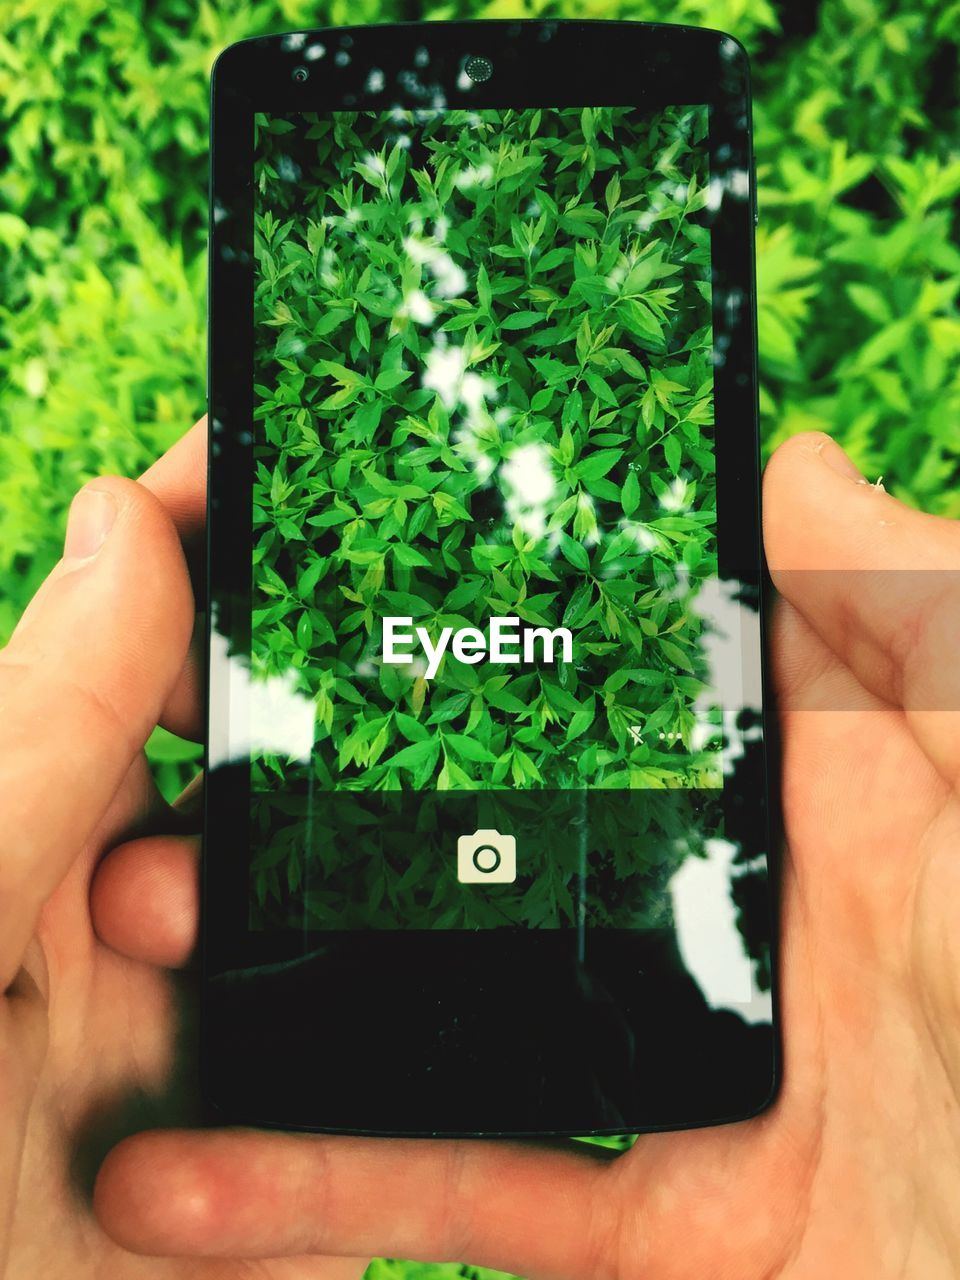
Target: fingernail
[[189, 802], [837, 460], [91, 518]]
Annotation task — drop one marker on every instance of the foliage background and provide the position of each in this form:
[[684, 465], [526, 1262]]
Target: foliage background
[[377, 495], [103, 225]]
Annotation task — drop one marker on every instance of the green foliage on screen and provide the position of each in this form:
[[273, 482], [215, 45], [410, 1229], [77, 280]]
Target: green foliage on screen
[[102, 239], [530, 299]]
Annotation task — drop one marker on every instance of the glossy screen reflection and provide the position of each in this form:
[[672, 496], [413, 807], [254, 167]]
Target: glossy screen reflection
[[484, 373]]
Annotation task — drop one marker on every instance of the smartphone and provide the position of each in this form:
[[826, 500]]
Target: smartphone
[[491, 805]]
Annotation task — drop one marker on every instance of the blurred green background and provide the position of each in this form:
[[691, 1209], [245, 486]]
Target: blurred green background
[[103, 237]]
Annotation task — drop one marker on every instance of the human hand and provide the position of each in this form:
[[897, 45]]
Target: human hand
[[88, 1032], [852, 1172]]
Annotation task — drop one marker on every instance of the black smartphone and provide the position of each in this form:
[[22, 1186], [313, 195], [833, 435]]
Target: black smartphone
[[491, 797]]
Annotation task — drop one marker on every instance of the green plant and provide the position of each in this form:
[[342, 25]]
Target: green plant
[[553, 463], [371, 486], [102, 236]]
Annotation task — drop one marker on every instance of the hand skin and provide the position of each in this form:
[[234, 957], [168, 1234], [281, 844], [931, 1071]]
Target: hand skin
[[854, 1172]]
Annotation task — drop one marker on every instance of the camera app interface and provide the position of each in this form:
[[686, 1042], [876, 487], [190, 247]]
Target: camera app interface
[[495, 680]]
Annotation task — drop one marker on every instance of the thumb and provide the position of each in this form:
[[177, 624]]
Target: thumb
[[82, 683], [875, 578]]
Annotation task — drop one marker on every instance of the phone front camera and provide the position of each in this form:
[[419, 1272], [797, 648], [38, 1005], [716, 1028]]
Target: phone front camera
[[300, 74], [478, 69]]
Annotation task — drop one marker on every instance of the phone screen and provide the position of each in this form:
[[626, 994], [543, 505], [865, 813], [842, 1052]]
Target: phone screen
[[501, 664]]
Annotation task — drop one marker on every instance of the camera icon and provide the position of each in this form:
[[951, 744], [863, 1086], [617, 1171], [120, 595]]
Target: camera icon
[[486, 857]]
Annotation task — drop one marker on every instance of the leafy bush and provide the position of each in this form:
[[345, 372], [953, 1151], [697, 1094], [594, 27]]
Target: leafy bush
[[483, 250], [102, 232]]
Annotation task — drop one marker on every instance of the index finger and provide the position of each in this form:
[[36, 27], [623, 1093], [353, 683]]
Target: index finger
[[179, 480]]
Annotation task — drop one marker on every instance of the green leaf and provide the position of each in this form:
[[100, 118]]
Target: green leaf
[[870, 301], [404, 602], [521, 320], [463, 593], [310, 576], [674, 654], [339, 372], [304, 631], [671, 450], [572, 409], [390, 378], [575, 552], [414, 755], [878, 349], [598, 464], [578, 604], [582, 719], [450, 709], [469, 748], [335, 515], [409, 556], [411, 729], [630, 494]]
